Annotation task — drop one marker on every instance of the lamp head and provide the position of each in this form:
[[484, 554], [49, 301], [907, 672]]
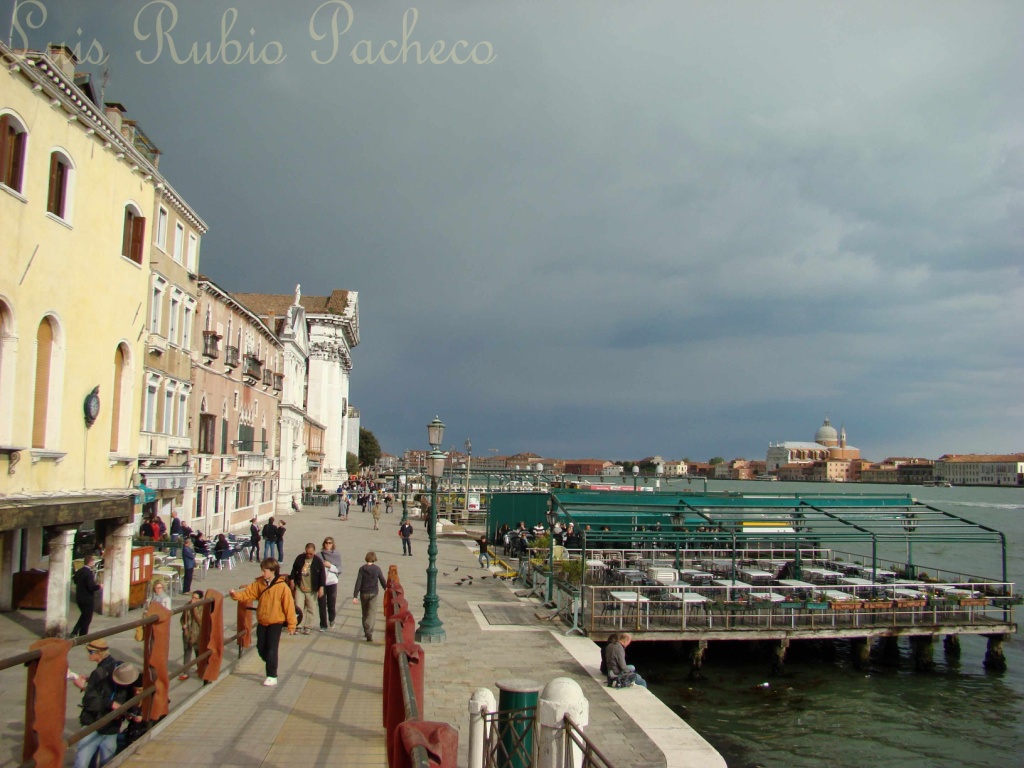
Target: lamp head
[[435, 432]]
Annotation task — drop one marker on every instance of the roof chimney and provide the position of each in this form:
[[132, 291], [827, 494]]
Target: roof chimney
[[115, 114], [64, 58]]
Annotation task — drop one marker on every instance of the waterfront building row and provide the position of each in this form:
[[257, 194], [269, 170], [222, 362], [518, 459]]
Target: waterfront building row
[[131, 384]]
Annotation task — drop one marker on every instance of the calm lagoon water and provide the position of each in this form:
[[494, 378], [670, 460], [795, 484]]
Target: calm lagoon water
[[824, 713]]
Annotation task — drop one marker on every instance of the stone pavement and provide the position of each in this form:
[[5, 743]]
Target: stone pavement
[[327, 707]]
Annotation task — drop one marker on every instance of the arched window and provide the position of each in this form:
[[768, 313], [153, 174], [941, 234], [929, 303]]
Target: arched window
[[13, 138], [62, 184], [121, 399], [41, 400], [133, 234], [8, 351]]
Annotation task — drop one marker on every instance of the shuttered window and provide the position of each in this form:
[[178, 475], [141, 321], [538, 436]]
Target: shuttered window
[[56, 201], [44, 354], [12, 153], [132, 236], [115, 408], [224, 437]]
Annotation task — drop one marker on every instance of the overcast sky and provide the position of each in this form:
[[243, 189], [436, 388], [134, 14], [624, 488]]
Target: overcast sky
[[679, 228]]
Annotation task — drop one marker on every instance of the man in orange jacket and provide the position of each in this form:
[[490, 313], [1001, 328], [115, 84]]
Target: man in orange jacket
[[276, 608]]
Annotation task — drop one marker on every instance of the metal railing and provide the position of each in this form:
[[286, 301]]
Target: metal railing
[[590, 755], [44, 744], [404, 689]]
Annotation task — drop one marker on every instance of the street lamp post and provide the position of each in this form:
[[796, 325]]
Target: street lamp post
[[431, 630], [405, 490], [636, 474], [659, 470]]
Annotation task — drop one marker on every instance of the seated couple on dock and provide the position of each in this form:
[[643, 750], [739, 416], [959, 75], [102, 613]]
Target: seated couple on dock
[[613, 662]]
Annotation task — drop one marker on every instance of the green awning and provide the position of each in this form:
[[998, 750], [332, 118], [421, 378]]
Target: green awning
[[145, 495]]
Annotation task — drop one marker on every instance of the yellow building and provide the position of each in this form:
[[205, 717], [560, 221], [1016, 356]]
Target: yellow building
[[75, 194]]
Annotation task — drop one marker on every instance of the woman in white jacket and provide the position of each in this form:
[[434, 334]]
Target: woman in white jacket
[[332, 565]]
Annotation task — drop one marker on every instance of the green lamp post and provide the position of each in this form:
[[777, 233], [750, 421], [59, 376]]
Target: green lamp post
[[431, 630]]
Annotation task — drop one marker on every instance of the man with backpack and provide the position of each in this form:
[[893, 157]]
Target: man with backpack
[[101, 696]]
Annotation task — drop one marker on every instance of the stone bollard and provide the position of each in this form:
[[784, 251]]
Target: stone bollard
[[560, 697], [480, 703]]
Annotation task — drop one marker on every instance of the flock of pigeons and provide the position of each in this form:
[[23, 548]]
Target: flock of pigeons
[[469, 579]]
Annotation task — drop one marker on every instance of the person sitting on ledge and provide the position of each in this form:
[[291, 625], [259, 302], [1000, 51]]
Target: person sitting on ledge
[[616, 667]]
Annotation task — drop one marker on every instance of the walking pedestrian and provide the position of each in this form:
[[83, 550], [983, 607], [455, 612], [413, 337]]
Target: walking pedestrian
[[85, 595], [484, 559], [342, 505], [191, 629], [269, 539], [308, 579], [254, 540], [366, 591], [332, 568], [275, 610], [376, 515], [405, 531], [389, 504], [188, 563]]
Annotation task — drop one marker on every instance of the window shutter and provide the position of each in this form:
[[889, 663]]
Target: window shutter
[[138, 233], [224, 437], [44, 350], [263, 439], [115, 406], [5, 148], [127, 233], [54, 195], [16, 168]]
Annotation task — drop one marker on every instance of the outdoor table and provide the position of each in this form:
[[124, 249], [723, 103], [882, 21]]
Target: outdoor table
[[637, 600], [822, 575], [754, 575], [902, 593], [796, 583], [694, 576], [856, 581], [730, 584]]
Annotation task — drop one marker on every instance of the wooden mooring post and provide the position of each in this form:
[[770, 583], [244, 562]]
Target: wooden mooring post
[[697, 659], [995, 660]]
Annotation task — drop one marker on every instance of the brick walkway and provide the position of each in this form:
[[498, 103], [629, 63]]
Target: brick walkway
[[327, 707]]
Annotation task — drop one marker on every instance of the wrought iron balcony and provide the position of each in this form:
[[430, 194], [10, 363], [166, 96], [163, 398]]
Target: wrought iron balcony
[[252, 369], [278, 382], [231, 357], [268, 377], [211, 344]]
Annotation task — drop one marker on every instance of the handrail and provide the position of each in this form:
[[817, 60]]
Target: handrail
[[576, 737], [44, 743], [403, 675]]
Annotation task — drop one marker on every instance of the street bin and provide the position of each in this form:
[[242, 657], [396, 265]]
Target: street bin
[[517, 710]]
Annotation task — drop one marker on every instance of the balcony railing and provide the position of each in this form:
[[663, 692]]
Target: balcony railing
[[278, 382], [252, 368], [156, 344], [231, 357], [211, 344], [153, 445], [179, 443], [268, 377]]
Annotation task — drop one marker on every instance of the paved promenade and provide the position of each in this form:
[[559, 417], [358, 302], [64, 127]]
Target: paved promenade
[[327, 707]]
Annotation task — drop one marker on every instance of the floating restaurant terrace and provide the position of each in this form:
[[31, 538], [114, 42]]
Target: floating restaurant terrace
[[781, 567]]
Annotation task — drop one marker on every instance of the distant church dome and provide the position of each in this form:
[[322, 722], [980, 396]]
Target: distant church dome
[[826, 434]]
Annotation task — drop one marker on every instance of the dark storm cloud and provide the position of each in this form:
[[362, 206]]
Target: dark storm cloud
[[671, 227]]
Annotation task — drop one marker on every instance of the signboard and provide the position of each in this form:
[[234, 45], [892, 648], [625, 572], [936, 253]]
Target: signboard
[[474, 502]]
